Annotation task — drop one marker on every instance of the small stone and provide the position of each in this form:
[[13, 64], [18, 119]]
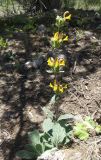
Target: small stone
[[62, 56], [28, 64], [36, 64], [88, 33], [55, 11], [41, 28]]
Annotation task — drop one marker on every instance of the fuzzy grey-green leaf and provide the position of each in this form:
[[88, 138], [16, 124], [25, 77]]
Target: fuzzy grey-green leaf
[[34, 137], [48, 113], [40, 148], [25, 154], [66, 117], [47, 125], [58, 134]]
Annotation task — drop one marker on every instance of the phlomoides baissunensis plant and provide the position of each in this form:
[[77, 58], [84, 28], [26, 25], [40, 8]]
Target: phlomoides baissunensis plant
[[55, 132]]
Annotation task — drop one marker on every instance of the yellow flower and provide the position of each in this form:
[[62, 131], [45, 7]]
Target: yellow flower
[[56, 63], [66, 38], [57, 87], [61, 89], [61, 62], [54, 86], [51, 62], [67, 16], [56, 36], [59, 37]]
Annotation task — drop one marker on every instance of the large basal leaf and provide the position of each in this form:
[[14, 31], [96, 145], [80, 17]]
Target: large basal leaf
[[48, 113], [25, 154], [47, 125], [30, 148], [49, 146], [53, 100], [58, 134], [66, 117], [34, 137], [69, 131], [44, 137], [40, 148]]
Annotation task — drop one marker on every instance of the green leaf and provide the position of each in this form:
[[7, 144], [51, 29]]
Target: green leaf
[[25, 154], [66, 117], [34, 137], [49, 71], [98, 129], [69, 130], [67, 140], [58, 134], [49, 146], [29, 147], [48, 113], [79, 126], [89, 122], [83, 135], [81, 131], [53, 99], [47, 125], [40, 148], [45, 137]]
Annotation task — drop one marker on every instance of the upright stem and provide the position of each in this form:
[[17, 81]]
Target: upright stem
[[58, 28]]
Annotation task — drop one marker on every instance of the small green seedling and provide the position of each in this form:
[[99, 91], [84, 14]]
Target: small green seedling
[[83, 129]]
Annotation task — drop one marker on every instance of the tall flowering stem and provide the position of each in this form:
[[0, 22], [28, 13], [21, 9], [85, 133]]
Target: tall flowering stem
[[57, 64]]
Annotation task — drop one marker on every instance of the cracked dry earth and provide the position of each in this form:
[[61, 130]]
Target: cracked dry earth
[[24, 92]]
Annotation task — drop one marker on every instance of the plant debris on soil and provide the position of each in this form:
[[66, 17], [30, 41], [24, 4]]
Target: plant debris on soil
[[24, 91]]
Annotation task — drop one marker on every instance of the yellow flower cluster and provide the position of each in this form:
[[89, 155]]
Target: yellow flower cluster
[[57, 87], [56, 62], [61, 20], [59, 37]]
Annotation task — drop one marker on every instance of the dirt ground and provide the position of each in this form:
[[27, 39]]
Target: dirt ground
[[23, 92]]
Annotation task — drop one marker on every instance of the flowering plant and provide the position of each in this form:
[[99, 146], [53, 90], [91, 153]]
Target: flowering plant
[[61, 20], [56, 64], [58, 39], [57, 87]]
